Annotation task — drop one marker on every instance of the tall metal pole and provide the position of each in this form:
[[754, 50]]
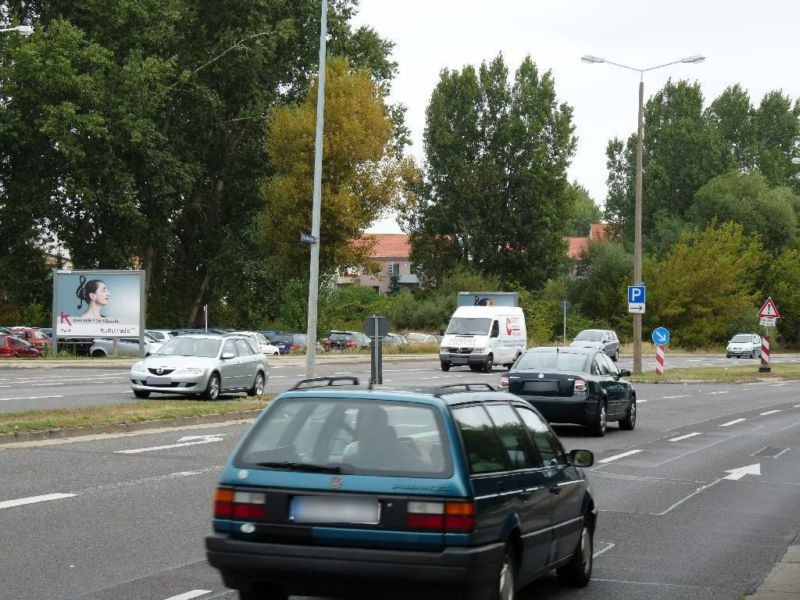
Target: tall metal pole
[[313, 278], [637, 240]]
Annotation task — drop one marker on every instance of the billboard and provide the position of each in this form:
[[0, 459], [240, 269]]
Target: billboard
[[488, 299], [93, 304]]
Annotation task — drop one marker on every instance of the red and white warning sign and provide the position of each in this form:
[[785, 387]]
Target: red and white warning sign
[[768, 310]]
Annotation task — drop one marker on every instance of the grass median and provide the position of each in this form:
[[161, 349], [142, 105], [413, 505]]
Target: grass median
[[738, 374], [123, 414]]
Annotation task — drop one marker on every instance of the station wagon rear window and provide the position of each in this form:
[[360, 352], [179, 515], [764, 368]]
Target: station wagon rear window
[[348, 436]]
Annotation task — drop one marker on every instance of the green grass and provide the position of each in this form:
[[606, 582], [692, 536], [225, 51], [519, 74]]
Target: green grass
[[738, 374], [118, 414]]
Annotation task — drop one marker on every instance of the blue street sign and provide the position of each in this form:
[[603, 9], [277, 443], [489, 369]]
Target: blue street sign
[[636, 294], [660, 336], [307, 239]]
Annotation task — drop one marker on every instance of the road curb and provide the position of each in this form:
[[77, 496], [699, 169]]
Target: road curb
[[70, 432], [783, 581]]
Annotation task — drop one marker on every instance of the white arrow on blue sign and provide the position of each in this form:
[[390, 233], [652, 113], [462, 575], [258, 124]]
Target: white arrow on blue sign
[[636, 294], [660, 336]]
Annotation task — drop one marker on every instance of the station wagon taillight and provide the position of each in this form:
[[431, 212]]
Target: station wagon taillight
[[447, 517], [239, 505]]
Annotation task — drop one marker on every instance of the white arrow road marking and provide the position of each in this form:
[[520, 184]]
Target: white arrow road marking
[[34, 500], [685, 437], [618, 456], [190, 440], [734, 422], [28, 398], [737, 474], [189, 595], [770, 412]]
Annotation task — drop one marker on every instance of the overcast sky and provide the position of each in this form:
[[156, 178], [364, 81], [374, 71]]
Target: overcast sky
[[751, 43]]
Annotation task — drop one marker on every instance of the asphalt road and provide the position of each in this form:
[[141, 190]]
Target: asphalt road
[[43, 388], [684, 511]]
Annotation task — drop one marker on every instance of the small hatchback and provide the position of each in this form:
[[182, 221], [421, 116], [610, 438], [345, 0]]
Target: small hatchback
[[744, 345], [462, 491]]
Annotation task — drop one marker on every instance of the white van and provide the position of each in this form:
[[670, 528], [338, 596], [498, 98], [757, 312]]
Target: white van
[[480, 336]]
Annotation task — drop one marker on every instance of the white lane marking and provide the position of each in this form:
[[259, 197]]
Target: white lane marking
[[717, 393], [777, 384], [784, 451], [690, 496], [734, 422], [797, 405], [190, 440], [685, 437], [769, 412], [28, 398], [189, 595], [608, 546], [638, 401], [618, 456], [672, 397], [34, 500]]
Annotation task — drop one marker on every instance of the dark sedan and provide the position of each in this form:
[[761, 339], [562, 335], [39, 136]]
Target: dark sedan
[[574, 385]]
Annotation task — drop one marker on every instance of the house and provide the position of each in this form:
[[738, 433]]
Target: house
[[579, 245], [392, 252]]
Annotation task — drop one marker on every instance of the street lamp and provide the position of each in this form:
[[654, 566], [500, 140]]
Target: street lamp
[[25, 30], [637, 241]]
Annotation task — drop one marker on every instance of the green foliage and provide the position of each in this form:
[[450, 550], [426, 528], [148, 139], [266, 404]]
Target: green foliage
[[600, 288], [585, 212], [704, 285], [496, 196], [35, 315], [783, 285], [347, 307]]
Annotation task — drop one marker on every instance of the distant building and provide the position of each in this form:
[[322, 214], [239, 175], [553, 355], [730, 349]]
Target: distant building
[[579, 245], [392, 253]]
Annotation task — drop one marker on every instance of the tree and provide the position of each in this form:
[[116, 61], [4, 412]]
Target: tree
[[586, 212], [783, 285], [496, 196], [362, 176], [705, 284], [600, 289]]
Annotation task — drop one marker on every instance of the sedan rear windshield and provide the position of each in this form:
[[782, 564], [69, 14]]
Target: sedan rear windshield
[[551, 361], [349, 436], [465, 326], [188, 346]]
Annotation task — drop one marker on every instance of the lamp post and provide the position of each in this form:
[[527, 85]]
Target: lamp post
[[637, 239], [313, 277]]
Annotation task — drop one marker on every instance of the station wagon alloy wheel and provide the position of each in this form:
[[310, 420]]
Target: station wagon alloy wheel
[[258, 386], [506, 589]]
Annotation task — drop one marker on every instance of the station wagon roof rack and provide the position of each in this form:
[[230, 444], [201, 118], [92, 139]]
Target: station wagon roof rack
[[467, 387], [324, 382]]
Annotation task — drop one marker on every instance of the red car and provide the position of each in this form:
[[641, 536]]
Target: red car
[[13, 347], [37, 338]]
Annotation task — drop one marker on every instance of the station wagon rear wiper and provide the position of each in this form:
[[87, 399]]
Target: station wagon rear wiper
[[297, 466]]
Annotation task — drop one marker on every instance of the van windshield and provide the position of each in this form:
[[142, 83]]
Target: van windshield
[[468, 326]]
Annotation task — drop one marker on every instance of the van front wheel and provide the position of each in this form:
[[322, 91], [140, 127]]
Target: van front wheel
[[487, 366], [445, 366]]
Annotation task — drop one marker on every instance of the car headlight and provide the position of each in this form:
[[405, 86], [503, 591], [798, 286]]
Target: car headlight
[[189, 371], [138, 368]]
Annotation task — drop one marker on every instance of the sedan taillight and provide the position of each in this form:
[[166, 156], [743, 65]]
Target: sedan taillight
[[581, 387], [503, 382]]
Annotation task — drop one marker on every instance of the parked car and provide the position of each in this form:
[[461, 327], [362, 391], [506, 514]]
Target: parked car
[[744, 344], [394, 340], [574, 385], [601, 339], [36, 337], [259, 341], [207, 365], [14, 347], [346, 340], [102, 347], [414, 337], [289, 343], [161, 335], [336, 488], [268, 333]]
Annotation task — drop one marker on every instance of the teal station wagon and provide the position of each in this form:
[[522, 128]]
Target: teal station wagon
[[462, 491]]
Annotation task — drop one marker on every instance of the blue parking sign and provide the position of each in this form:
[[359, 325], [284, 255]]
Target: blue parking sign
[[636, 294]]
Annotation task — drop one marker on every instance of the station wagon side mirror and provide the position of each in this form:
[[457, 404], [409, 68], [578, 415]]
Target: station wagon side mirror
[[581, 458], [624, 373], [227, 355]]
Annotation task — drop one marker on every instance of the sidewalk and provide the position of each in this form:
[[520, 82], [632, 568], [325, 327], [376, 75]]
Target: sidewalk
[[783, 581]]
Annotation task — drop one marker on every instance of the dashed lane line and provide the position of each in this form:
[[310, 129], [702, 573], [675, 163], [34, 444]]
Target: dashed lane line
[[618, 456], [28, 398], [673, 397], [33, 500], [685, 437], [734, 422], [769, 412], [189, 595]]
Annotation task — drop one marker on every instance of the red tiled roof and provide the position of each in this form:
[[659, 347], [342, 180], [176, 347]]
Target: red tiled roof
[[389, 245], [598, 231], [577, 246]]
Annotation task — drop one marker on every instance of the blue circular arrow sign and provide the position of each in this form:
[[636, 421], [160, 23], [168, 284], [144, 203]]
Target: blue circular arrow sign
[[660, 336]]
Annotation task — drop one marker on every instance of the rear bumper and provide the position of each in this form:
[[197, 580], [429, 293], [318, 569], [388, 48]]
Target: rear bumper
[[582, 411], [317, 570]]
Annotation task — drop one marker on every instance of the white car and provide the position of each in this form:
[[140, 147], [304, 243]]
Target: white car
[[259, 341], [744, 345]]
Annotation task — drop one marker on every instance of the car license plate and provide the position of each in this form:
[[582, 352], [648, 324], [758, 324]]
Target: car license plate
[[155, 380], [318, 509], [541, 386]]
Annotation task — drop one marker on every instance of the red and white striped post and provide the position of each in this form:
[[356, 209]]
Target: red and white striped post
[[660, 359], [764, 368]]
